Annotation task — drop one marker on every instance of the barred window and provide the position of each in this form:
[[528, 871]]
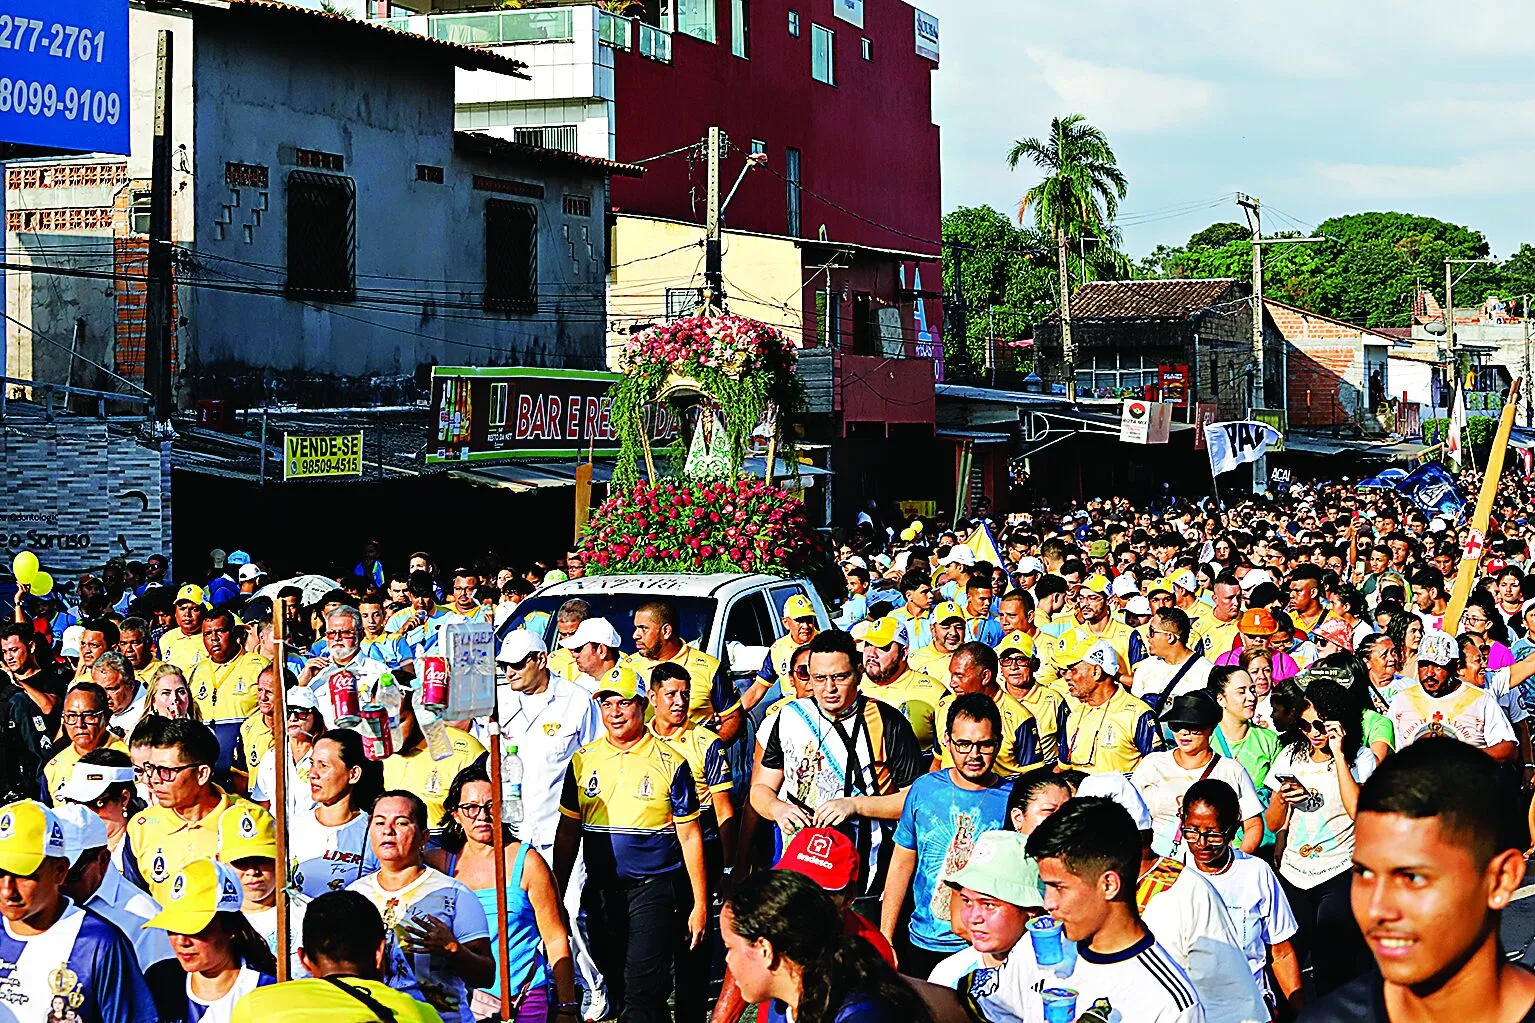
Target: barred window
[[511, 256], [322, 236]]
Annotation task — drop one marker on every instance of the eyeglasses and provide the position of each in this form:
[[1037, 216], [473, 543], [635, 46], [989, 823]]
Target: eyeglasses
[[80, 717], [1192, 835], [802, 672], [836, 679], [156, 772], [964, 746], [341, 634], [1318, 726], [475, 810]]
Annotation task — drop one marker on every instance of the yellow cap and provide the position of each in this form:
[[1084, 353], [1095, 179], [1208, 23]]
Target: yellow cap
[[622, 680], [246, 832], [1096, 583], [29, 834], [886, 631], [947, 611], [192, 593], [1016, 642], [196, 894], [798, 606]]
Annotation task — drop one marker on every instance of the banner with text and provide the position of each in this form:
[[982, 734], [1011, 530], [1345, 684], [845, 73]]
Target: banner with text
[[306, 457], [487, 413]]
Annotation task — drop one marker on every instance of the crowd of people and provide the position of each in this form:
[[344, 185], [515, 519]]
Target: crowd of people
[[1103, 762]]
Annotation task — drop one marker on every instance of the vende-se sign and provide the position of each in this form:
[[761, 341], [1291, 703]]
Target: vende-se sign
[[487, 413]]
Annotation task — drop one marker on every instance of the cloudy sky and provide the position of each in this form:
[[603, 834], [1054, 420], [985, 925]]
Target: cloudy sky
[[1318, 107]]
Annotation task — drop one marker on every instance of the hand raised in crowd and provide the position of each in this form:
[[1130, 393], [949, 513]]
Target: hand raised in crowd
[[427, 935]]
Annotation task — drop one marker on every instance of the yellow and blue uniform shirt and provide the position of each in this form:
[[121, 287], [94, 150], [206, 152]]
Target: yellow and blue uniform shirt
[[255, 739], [227, 692], [932, 661], [1019, 751], [918, 629], [417, 772], [159, 842], [57, 770], [1049, 709], [1113, 737], [917, 697], [629, 802], [705, 754], [711, 693], [182, 650]]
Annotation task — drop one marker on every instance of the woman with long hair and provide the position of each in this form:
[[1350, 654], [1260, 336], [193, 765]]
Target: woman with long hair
[[1482, 618], [329, 840], [538, 945], [219, 956], [170, 696], [103, 781], [1239, 735], [785, 942], [1406, 632], [1354, 676], [1258, 664], [1316, 781]]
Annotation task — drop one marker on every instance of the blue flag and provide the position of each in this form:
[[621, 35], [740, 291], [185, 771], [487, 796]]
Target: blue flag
[[1432, 488], [1386, 479]]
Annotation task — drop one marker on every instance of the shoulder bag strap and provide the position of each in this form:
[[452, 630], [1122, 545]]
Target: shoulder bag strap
[[380, 1011]]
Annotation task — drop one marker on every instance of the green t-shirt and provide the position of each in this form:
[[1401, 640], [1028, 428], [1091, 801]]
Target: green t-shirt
[[1257, 753], [1378, 727]]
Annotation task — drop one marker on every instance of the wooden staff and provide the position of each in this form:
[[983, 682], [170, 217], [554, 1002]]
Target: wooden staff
[[1469, 563], [280, 785], [503, 967]]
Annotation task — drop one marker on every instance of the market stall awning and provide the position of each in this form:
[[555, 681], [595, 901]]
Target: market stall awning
[[1392, 450]]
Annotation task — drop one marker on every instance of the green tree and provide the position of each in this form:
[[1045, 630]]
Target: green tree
[[1217, 235], [1006, 277], [1077, 199]]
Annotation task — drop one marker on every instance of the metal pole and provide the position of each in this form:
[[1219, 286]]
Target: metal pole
[[1529, 392], [1449, 317], [280, 789], [157, 309], [714, 274], [1255, 396], [261, 470]]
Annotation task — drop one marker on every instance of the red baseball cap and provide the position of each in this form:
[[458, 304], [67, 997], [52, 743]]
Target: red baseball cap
[[1494, 566], [826, 856]]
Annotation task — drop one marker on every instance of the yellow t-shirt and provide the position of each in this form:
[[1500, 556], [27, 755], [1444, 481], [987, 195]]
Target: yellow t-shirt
[[227, 692], [1219, 636], [312, 1000], [177, 648], [711, 692], [255, 739], [57, 770], [417, 772], [1049, 710], [160, 842], [1019, 752], [932, 661], [1111, 737], [917, 697]]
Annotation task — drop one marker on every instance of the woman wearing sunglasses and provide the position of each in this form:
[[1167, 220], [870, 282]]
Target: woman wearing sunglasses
[[1210, 819], [1316, 781], [538, 945]]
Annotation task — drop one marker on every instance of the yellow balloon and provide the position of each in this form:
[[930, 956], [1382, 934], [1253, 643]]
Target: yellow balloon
[[42, 584], [907, 535], [24, 567], [916, 527]]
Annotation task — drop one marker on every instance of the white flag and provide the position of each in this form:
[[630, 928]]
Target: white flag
[[1453, 449], [1231, 444]]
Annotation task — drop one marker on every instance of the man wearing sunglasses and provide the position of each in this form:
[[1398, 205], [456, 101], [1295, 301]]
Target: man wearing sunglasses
[[184, 825]]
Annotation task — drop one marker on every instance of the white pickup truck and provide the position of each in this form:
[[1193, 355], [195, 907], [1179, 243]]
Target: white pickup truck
[[734, 617]]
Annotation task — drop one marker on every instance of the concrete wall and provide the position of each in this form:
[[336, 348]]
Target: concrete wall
[[79, 492]]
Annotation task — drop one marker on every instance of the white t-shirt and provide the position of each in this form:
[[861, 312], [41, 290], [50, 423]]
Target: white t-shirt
[[1190, 921], [264, 790], [1469, 714], [1142, 984], [1321, 840], [1251, 892], [956, 967], [433, 893], [1152, 675], [327, 859], [222, 1008], [1162, 783]]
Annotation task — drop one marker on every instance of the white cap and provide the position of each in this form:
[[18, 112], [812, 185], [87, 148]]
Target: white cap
[[69, 643], [1255, 577], [860, 630], [591, 630], [1114, 785], [83, 830], [1031, 566], [856, 560], [1438, 647], [88, 782], [1103, 655], [1138, 605], [518, 644], [301, 698], [1437, 525], [959, 554], [1125, 586], [250, 572], [1185, 580]]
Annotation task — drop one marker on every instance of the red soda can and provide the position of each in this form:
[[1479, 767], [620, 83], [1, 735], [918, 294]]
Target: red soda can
[[377, 739], [343, 697], [434, 682]]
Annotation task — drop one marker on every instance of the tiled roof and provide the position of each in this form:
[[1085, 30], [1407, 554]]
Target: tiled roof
[[310, 18], [1146, 300], [495, 145]]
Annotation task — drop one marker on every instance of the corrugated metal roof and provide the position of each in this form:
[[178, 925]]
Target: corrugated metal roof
[[1146, 300], [495, 145]]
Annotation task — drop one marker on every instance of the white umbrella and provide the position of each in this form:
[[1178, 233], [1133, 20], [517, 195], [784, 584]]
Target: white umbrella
[[311, 587]]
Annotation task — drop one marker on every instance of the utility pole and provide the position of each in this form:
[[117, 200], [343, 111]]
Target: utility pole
[[1251, 206], [714, 271], [1529, 391], [1068, 347], [157, 307], [1449, 309]]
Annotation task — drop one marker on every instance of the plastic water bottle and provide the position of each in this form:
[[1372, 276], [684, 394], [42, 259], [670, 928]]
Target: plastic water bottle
[[511, 788]]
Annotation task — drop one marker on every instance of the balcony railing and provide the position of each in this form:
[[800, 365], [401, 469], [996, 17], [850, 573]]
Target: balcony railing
[[502, 27], [613, 30], [655, 43]]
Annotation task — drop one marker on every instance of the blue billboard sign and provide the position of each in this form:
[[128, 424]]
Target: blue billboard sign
[[64, 74]]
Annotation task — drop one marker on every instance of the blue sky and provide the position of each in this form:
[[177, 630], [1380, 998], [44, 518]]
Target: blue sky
[[1319, 107]]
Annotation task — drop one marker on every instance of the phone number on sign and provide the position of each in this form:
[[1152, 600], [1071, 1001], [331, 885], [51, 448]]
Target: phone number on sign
[[93, 105], [67, 41]]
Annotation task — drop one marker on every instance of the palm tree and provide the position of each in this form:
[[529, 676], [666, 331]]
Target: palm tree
[[1077, 198]]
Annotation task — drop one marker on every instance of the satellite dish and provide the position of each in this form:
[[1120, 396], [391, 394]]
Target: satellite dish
[[1435, 327]]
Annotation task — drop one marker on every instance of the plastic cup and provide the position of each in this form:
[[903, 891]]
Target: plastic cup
[[1060, 1004], [1045, 933]]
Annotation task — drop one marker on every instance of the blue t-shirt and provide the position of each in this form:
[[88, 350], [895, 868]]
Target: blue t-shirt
[[941, 822], [857, 1007], [82, 966]]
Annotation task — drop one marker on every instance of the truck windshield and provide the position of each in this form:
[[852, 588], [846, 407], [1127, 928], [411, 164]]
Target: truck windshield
[[537, 614]]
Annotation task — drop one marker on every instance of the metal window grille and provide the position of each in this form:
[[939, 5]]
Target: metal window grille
[[322, 236], [549, 136], [578, 205], [511, 256], [791, 176], [138, 212]]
